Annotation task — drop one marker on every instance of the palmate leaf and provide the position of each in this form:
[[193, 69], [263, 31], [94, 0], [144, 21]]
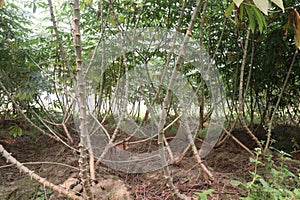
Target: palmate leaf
[[15, 131]]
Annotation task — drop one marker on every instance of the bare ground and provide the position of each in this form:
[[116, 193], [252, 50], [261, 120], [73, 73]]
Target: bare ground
[[41, 154]]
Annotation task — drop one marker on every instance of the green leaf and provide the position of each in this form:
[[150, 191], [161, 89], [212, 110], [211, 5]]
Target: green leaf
[[264, 183], [260, 18], [279, 3], [262, 5], [242, 12], [236, 183], [34, 8], [250, 14], [229, 10], [252, 160], [121, 19], [203, 195], [207, 192], [15, 131], [86, 2], [238, 2]]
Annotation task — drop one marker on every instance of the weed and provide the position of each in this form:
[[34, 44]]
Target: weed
[[203, 195], [276, 183]]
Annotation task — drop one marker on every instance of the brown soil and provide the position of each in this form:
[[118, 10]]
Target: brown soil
[[228, 162]]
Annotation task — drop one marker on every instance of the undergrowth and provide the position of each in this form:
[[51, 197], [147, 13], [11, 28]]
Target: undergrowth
[[275, 182]]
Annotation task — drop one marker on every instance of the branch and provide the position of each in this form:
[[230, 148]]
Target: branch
[[36, 177], [57, 35]]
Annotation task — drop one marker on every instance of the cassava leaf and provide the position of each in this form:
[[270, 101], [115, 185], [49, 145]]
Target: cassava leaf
[[34, 8], [260, 18], [238, 2], [88, 2], [229, 10], [279, 3], [15, 131], [262, 5], [241, 12], [250, 14]]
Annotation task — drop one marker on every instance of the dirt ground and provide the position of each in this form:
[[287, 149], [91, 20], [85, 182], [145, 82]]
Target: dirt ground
[[44, 156]]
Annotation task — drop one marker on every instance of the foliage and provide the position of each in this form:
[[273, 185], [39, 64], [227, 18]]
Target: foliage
[[272, 50], [276, 182], [42, 193], [267, 31], [203, 195], [19, 75], [263, 5], [15, 130]]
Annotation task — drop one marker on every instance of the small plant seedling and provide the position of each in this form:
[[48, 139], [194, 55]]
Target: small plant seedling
[[203, 195], [15, 131]]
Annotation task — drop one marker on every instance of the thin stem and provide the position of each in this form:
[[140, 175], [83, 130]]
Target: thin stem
[[241, 92], [278, 101]]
